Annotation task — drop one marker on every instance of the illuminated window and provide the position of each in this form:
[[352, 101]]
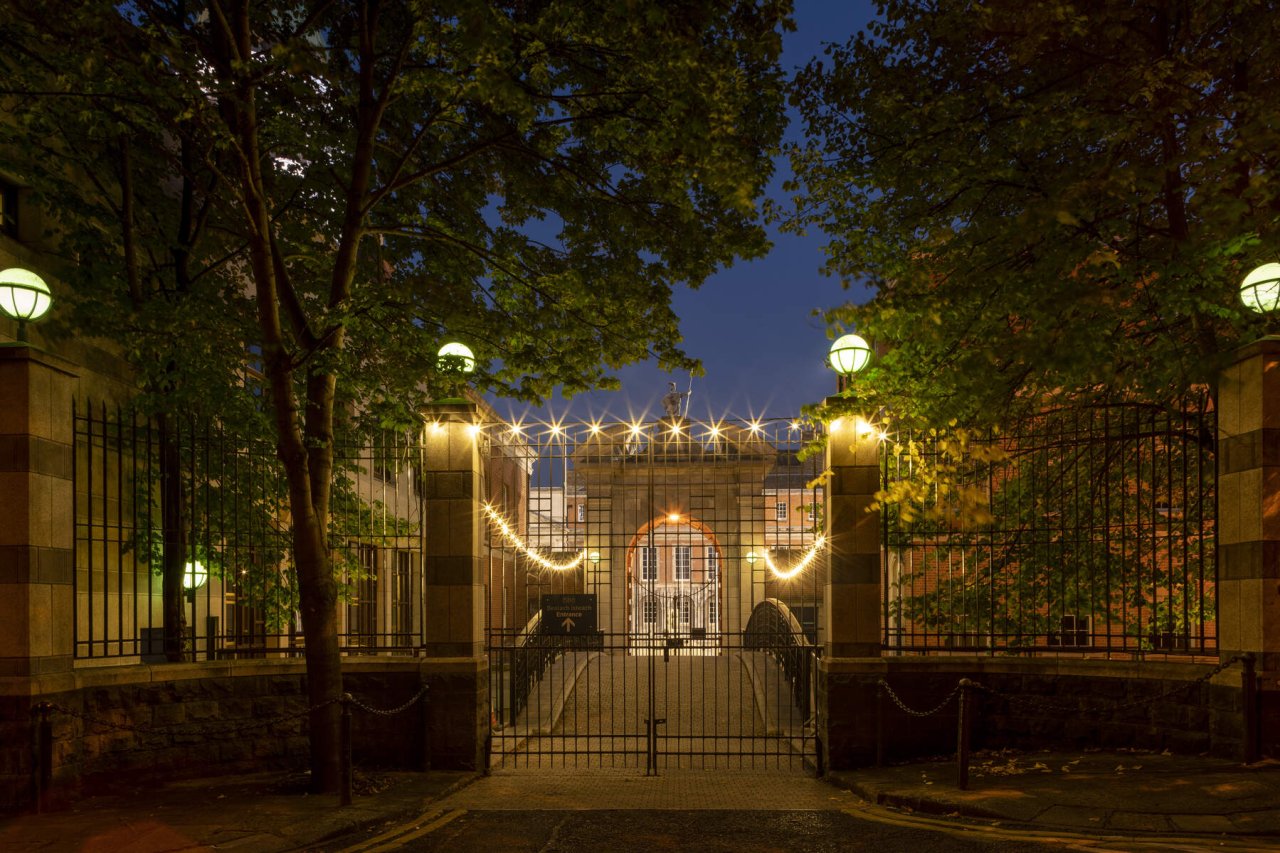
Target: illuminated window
[[683, 609], [713, 614], [713, 562], [648, 564], [684, 561], [650, 609], [780, 511], [582, 513]]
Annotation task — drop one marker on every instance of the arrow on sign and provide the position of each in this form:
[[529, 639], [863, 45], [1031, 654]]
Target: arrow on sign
[[568, 624]]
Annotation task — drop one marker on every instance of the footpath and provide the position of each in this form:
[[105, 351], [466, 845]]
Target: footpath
[[1209, 801]]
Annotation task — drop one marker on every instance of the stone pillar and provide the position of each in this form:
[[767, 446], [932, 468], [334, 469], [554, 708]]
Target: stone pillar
[[37, 535], [1249, 521], [850, 600], [456, 670], [851, 597]]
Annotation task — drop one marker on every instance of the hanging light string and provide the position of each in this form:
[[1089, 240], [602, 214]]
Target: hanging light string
[[800, 565], [508, 533]]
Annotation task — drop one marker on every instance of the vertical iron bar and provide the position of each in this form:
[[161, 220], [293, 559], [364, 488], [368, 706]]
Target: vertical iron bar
[[1249, 706], [963, 714], [76, 444], [345, 754]]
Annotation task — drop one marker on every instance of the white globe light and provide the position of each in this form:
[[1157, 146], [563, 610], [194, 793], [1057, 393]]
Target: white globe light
[[195, 575], [1260, 290], [23, 294], [456, 357], [849, 354]]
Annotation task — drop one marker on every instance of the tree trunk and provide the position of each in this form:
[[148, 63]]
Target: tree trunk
[[319, 599]]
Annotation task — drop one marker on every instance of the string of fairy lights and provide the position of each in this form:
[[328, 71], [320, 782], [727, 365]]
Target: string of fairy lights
[[508, 532]]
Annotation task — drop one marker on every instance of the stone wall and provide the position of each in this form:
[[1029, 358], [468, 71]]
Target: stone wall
[[1064, 704], [143, 722]]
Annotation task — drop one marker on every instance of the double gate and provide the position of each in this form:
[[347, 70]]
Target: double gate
[[689, 550]]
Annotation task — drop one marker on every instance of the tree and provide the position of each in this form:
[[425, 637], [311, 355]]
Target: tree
[[533, 178], [1056, 201]]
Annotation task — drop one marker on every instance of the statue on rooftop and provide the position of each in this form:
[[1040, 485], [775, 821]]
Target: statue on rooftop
[[672, 400]]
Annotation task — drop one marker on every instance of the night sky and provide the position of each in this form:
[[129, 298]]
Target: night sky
[[753, 325]]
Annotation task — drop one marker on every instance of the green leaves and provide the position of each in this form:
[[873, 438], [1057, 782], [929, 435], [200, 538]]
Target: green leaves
[[1053, 201]]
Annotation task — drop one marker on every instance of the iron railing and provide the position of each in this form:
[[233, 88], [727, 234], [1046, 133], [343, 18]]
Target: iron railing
[[183, 546], [1088, 531]]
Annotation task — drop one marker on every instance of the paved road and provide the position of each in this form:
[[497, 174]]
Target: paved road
[[708, 812], [706, 832]]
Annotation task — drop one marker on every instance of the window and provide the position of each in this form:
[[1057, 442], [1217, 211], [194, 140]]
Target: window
[[402, 597], [683, 609], [713, 562], [684, 562], [582, 513], [780, 511], [648, 564], [1075, 632], [712, 612], [650, 609]]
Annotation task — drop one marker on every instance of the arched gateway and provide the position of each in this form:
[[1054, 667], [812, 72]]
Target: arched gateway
[[630, 569]]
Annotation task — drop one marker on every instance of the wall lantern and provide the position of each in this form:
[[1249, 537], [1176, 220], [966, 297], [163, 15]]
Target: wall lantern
[[195, 576], [23, 296], [456, 358], [1260, 290], [849, 354], [751, 558]]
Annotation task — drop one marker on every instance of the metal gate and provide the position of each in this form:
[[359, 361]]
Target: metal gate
[[654, 593]]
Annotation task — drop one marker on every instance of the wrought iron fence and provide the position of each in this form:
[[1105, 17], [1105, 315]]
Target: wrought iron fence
[[183, 546], [1088, 531]]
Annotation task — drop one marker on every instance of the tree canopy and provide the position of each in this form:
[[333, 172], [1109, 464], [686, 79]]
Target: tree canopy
[[321, 193], [1056, 201]]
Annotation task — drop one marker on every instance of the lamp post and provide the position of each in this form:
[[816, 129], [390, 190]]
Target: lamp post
[[23, 296], [1260, 290], [848, 355], [455, 360]]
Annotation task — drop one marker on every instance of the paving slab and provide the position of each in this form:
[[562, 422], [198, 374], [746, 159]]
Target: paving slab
[[1125, 791]]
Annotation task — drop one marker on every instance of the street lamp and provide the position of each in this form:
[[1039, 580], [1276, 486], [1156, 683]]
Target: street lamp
[[849, 354], [454, 357], [23, 296], [1260, 290]]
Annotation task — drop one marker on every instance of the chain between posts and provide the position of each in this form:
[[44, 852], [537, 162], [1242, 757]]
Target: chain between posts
[[884, 685], [965, 715]]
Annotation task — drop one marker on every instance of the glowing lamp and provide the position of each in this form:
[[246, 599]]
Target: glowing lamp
[[751, 558], [594, 557], [454, 357], [23, 296], [195, 575], [1260, 290], [849, 354]]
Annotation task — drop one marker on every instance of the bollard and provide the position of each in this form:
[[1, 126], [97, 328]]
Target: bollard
[[44, 756], [879, 725], [345, 751], [965, 716], [1249, 706]]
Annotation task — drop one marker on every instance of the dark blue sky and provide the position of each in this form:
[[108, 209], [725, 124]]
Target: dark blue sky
[[753, 325]]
